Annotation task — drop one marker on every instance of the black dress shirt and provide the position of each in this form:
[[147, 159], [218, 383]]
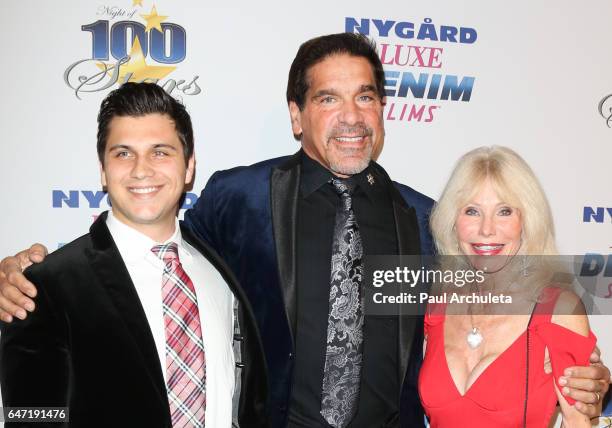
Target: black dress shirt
[[372, 204]]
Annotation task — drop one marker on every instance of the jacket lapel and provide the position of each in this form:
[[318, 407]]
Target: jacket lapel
[[253, 387], [284, 191], [406, 227], [408, 243], [108, 266]]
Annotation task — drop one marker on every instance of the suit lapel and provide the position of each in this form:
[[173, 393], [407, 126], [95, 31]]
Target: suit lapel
[[284, 191], [218, 263], [108, 266], [406, 226], [253, 388], [408, 243]]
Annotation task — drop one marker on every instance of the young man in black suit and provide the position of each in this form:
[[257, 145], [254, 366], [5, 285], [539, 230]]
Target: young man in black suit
[[135, 322]]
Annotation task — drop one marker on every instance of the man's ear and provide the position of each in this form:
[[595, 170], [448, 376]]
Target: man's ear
[[102, 175], [190, 169], [296, 119]]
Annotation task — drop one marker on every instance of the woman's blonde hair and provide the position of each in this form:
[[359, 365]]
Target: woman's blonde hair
[[514, 183]]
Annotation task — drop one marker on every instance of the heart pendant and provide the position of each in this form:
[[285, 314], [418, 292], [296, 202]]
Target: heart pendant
[[474, 338]]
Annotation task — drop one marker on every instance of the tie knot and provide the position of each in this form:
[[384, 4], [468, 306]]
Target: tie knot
[[343, 187], [167, 252]]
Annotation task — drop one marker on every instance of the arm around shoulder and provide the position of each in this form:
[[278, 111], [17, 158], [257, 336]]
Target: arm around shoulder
[[15, 289]]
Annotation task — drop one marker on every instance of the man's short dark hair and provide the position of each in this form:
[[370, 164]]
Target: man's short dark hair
[[316, 50], [139, 99]]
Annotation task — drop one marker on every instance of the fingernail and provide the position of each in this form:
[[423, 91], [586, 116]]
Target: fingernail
[[29, 306], [567, 372], [562, 381], [565, 390], [20, 314], [7, 318]]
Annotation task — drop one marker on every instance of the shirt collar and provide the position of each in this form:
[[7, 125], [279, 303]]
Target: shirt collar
[[314, 175], [135, 246], [367, 182]]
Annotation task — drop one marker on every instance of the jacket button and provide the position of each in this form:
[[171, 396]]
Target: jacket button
[[238, 337], [239, 365]]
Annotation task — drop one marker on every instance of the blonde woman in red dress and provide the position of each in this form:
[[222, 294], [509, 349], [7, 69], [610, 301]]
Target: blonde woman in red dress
[[498, 370]]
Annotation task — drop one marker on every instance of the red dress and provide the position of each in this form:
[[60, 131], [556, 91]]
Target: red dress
[[497, 397]]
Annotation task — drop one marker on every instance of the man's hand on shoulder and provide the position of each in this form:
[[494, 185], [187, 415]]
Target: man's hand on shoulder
[[587, 385], [16, 292]]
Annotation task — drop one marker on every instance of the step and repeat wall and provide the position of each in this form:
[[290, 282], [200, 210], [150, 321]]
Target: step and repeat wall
[[533, 76]]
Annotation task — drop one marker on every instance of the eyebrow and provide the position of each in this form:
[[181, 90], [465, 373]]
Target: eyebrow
[[118, 146], [367, 88], [165, 146], [325, 92], [497, 204], [155, 146]]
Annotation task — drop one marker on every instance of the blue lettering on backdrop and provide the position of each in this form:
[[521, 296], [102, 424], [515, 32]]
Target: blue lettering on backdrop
[[597, 214], [593, 264], [451, 87], [408, 30], [93, 199], [409, 94]]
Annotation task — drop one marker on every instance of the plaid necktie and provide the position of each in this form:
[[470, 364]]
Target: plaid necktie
[[185, 361], [342, 373]]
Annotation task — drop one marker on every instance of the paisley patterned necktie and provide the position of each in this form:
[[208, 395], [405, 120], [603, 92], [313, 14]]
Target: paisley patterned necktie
[[344, 352]]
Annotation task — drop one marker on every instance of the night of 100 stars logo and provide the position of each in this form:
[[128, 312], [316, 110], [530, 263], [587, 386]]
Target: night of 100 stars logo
[[130, 45]]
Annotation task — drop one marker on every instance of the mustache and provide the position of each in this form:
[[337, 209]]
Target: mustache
[[359, 129]]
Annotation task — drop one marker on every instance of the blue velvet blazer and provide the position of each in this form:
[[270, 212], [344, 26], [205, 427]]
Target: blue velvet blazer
[[248, 215]]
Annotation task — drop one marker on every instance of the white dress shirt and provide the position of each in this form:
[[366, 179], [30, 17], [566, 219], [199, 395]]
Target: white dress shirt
[[215, 304]]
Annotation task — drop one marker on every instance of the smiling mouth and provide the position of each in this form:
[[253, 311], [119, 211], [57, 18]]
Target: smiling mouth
[[487, 249], [350, 139], [144, 190]]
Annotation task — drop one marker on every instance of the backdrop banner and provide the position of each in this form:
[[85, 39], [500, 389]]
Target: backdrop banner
[[533, 76]]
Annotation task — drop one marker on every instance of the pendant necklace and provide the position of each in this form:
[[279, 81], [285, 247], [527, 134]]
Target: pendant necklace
[[474, 338]]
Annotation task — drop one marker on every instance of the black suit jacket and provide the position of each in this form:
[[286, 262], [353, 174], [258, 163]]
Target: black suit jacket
[[88, 346], [249, 216]]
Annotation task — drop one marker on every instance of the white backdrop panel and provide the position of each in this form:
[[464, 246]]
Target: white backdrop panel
[[539, 68]]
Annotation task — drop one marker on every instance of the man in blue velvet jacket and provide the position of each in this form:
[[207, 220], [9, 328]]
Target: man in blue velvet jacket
[[271, 221]]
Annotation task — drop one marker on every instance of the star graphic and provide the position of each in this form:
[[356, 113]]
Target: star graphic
[[154, 20], [136, 69], [136, 3]]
